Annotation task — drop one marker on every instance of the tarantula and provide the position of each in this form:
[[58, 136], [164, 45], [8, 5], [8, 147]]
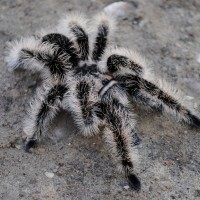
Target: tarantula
[[82, 73]]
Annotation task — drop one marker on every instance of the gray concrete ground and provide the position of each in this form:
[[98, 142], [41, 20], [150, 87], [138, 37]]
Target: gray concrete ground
[[167, 33]]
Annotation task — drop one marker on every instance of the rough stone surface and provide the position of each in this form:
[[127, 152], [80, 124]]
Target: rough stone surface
[[169, 37]]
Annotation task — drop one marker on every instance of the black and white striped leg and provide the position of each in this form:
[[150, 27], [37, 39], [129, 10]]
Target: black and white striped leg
[[169, 102], [103, 29], [33, 55], [118, 63], [122, 61], [119, 134], [100, 42], [64, 44], [82, 103], [16, 58], [43, 109], [55, 63], [82, 41], [75, 26], [143, 98]]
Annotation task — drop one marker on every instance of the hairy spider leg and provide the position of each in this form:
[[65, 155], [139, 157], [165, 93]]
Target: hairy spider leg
[[31, 54], [119, 133], [169, 103], [75, 26], [82, 103], [64, 44], [131, 71], [145, 99], [100, 42], [15, 58], [44, 107], [103, 31], [82, 41], [118, 63], [122, 61]]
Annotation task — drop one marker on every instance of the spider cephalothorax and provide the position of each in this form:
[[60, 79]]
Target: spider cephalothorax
[[83, 74]]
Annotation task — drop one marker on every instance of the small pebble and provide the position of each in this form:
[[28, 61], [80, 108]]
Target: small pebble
[[126, 187], [61, 163], [24, 136], [49, 174], [18, 146], [178, 45], [198, 58], [119, 9], [156, 178]]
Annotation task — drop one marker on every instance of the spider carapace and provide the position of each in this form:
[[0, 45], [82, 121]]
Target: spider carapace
[[83, 73]]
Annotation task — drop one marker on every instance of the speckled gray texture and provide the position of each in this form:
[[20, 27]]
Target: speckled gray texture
[[169, 37]]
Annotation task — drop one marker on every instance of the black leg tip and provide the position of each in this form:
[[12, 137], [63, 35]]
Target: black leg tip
[[195, 121], [136, 139], [29, 144], [134, 182]]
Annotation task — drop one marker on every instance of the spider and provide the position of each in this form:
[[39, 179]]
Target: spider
[[82, 72]]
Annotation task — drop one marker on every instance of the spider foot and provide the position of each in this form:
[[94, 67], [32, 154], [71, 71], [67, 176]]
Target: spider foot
[[136, 139], [134, 182], [29, 144], [195, 121]]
